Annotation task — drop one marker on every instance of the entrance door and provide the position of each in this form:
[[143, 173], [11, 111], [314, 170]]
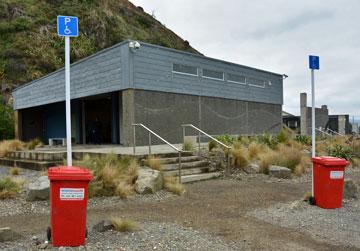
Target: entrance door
[[98, 120]]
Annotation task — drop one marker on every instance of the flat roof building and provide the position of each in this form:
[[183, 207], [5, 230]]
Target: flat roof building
[[157, 86]]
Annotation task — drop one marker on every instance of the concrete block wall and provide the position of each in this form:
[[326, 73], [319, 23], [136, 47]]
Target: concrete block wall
[[166, 112]]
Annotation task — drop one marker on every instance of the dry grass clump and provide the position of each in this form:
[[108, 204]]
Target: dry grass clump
[[34, 143], [153, 163], [355, 162], [8, 188], [172, 185], [124, 225], [188, 146], [239, 157], [14, 171], [112, 176], [7, 146], [286, 156], [255, 149]]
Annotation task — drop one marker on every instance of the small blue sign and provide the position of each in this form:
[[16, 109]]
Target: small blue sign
[[314, 62], [67, 26]]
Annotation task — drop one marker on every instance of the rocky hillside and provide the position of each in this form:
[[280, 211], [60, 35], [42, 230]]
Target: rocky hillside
[[30, 47]]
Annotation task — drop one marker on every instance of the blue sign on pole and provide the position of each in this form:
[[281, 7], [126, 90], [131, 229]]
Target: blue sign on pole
[[67, 26], [314, 62]]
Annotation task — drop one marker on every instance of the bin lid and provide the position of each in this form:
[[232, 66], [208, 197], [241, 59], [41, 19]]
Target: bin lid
[[330, 161], [69, 173]]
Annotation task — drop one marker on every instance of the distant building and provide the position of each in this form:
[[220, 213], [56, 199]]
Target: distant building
[[339, 123], [302, 124], [159, 87], [321, 116]]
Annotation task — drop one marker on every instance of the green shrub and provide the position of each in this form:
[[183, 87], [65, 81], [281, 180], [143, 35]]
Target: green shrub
[[340, 151], [303, 139], [226, 139], [268, 140], [283, 136], [188, 146], [7, 125], [8, 188]]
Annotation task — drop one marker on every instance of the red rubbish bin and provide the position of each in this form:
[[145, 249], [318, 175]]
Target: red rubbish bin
[[328, 181], [68, 198]]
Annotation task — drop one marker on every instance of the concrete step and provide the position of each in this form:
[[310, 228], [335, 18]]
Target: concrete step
[[37, 155], [175, 160], [28, 164], [189, 171], [186, 165], [199, 177]]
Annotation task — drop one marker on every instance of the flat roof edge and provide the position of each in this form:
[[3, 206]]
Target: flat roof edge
[[75, 63]]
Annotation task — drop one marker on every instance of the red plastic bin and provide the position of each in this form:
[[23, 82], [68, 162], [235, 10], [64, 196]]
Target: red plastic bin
[[328, 178], [68, 198]]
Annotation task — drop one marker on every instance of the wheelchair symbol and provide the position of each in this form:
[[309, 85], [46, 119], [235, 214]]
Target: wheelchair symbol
[[67, 31]]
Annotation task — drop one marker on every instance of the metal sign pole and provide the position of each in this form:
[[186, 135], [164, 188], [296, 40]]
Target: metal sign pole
[[68, 101], [313, 139]]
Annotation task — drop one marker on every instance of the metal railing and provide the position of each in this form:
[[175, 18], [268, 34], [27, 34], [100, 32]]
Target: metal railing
[[334, 132], [163, 140], [209, 136], [323, 132]]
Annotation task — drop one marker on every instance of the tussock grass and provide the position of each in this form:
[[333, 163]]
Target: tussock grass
[[8, 188], [7, 146], [172, 184], [33, 144], [153, 163], [188, 146], [239, 158], [112, 176], [14, 171], [255, 149], [212, 145], [124, 225]]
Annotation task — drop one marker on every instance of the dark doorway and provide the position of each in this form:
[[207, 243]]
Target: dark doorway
[[98, 120], [32, 124]]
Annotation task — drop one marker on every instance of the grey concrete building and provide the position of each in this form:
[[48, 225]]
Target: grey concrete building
[[159, 87], [321, 116]]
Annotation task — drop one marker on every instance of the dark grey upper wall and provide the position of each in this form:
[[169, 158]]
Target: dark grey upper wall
[[148, 68], [99, 73], [153, 71]]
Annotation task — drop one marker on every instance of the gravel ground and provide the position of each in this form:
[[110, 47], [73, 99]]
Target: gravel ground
[[337, 226], [150, 236], [243, 212]]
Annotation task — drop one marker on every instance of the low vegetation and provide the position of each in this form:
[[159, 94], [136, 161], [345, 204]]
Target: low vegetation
[[8, 188], [188, 146], [153, 163], [14, 171], [113, 176], [124, 225], [7, 146], [172, 185], [7, 126], [287, 149]]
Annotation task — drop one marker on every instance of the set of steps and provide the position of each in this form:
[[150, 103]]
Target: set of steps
[[34, 160], [193, 168]]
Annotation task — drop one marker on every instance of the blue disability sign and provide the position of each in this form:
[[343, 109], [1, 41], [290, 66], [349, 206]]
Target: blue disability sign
[[67, 26], [314, 62]]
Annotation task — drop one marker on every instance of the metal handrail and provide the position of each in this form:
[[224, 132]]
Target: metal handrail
[[159, 137], [318, 129], [209, 136], [334, 132]]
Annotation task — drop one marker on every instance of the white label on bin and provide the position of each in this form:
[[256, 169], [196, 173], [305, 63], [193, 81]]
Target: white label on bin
[[336, 175], [72, 193]]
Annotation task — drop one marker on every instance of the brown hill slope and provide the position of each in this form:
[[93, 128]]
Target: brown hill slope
[[30, 47]]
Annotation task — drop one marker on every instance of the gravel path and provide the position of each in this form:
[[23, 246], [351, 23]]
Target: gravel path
[[338, 226], [246, 212], [150, 236]]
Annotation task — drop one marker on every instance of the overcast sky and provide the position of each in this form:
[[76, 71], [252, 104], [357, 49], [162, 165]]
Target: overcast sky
[[277, 35]]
